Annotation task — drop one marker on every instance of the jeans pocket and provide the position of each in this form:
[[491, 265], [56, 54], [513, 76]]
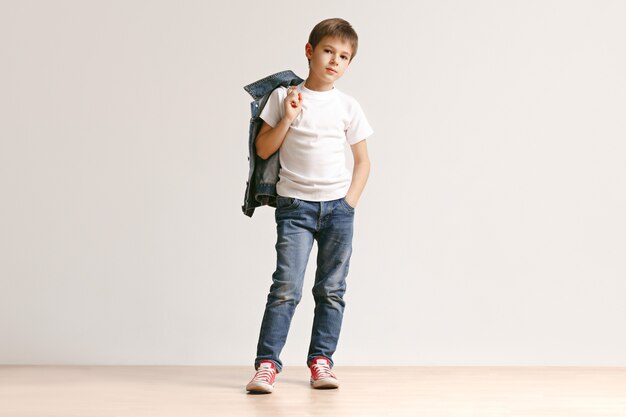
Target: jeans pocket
[[286, 203], [345, 203]]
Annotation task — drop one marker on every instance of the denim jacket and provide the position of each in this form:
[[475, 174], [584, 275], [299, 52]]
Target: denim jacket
[[263, 175]]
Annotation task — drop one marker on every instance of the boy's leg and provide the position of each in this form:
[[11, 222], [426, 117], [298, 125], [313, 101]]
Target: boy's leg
[[295, 225], [334, 242]]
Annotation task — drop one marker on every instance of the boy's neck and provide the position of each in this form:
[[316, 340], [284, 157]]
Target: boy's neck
[[318, 85]]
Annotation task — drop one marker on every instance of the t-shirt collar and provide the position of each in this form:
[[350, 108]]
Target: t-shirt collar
[[318, 94]]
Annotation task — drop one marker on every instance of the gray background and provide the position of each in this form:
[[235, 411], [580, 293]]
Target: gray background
[[491, 231]]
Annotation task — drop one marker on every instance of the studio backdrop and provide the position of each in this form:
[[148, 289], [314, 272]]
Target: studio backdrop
[[491, 230]]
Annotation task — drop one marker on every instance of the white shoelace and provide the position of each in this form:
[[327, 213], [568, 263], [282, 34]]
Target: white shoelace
[[263, 375], [322, 371]]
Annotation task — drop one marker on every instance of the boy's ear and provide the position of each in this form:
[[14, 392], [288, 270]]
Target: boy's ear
[[308, 50]]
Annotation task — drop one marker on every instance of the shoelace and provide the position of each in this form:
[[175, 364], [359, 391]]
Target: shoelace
[[263, 375], [322, 371]]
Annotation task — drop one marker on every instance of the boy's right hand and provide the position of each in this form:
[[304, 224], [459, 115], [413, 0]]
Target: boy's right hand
[[293, 103]]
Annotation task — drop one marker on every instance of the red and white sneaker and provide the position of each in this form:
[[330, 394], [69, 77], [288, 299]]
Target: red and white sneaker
[[263, 380], [321, 375]]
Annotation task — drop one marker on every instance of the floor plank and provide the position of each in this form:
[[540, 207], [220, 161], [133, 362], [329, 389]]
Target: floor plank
[[155, 391]]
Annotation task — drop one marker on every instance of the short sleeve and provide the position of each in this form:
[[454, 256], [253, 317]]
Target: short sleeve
[[272, 113], [358, 128]]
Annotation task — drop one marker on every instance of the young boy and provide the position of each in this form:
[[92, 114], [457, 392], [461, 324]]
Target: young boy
[[317, 197]]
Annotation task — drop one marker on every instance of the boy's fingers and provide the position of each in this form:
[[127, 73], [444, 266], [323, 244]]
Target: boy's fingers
[[296, 98]]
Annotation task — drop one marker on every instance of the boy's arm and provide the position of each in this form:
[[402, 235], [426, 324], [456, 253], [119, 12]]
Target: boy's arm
[[269, 139], [360, 172]]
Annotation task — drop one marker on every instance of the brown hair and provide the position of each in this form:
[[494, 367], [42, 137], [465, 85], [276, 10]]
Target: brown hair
[[336, 28]]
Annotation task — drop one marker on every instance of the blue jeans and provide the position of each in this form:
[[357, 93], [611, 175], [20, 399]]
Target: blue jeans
[[298, 223]]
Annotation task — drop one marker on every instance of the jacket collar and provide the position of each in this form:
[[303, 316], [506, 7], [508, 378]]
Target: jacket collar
[[263, 86]]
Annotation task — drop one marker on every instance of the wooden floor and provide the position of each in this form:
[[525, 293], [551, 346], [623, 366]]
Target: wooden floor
[[154, 391]]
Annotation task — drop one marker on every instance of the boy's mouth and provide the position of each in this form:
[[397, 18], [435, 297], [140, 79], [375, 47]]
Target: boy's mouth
[[332, 71]]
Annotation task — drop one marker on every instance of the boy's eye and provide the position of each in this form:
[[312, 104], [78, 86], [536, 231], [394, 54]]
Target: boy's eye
[[342, 57]]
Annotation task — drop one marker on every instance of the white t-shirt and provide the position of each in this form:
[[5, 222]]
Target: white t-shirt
[[312, 156]]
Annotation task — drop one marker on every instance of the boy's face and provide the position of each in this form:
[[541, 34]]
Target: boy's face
[[329, 59]]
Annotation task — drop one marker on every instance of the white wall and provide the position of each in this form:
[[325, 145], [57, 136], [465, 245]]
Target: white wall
[[491, 231]]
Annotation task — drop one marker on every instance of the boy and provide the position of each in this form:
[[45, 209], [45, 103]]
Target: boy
[[316, 200]]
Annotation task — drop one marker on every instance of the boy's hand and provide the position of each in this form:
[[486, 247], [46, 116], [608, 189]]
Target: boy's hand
[[350, 202], [293, 104]]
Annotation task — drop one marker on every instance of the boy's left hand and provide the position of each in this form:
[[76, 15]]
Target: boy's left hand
[[350, 202]]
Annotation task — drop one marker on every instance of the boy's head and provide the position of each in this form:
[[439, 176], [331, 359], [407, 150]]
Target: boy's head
[[332, 44]]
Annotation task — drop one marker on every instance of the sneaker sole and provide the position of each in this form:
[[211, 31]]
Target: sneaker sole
[[260, 388], [325, 383]]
